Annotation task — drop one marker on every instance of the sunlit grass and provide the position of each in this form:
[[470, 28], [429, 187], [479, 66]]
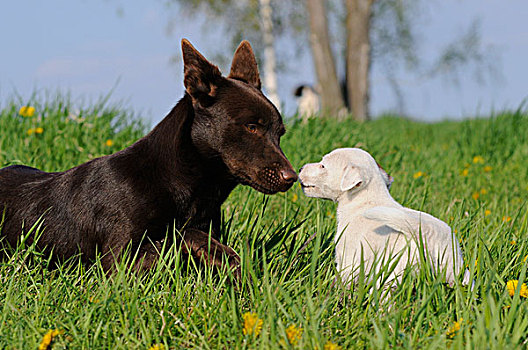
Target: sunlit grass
[[286, 245]]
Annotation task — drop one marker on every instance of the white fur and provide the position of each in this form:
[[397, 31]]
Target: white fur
[[371, 223], [308, 103]]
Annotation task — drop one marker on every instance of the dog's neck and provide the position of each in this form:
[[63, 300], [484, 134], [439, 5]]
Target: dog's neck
[[373, 194], [173, 156]]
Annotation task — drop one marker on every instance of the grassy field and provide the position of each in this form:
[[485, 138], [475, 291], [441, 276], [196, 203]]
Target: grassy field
[[472, 174]]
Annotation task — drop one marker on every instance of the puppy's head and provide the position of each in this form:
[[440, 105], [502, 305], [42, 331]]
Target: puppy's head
[[235, 122], [342, 170]]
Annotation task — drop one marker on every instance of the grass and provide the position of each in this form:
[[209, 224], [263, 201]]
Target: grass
[[472, 174]]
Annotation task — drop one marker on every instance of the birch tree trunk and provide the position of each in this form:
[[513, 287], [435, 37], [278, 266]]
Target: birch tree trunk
[[358, 56], [328, 84], [270, 75]]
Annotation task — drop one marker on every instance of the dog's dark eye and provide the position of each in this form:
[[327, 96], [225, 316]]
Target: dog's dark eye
[[252, 128]]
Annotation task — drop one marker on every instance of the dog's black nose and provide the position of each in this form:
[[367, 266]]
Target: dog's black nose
[[301, 169], [288, 175]]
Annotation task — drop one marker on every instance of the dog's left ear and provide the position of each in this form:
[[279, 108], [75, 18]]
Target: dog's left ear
[[244, 66], [352, 177]]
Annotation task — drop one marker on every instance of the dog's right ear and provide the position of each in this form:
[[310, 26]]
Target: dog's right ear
[[386, 177], [201, 77], [352, 177]]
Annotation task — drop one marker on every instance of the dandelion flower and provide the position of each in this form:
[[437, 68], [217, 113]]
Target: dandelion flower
[[511, 286], [487, 212], [294, 333], [506, 218], [475, 195], [454, 328], [331, 346], [483, 191], [513, 242], [295, 197], [418, 174], [487, 169], [478, 159], [157, 347], [465, 172], [47, 339], [31, 131], [26, 111], [109, 143], [39, 130], [252, 324]]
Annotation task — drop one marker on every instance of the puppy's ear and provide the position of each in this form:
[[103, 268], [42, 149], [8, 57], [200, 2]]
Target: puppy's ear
[[352, 177], [244, 66], [201, 78], [386, 177]]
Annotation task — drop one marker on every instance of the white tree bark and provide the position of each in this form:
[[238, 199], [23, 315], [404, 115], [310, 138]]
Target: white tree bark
[[270, 74]]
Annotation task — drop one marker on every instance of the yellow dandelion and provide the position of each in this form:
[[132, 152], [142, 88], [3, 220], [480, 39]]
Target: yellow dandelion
[[39, 130], [478, 159], [418, 174], [31, 131], [465, 172], [331, 346], [47, 339], [483, 191], [506, 218], [513, 242], [294, 333], [454, 328], [252, 324], [487, 212], [109, 143], [511, 286], [487, 169], [157, 347], [295, 197], [26, 111], [475, 195]]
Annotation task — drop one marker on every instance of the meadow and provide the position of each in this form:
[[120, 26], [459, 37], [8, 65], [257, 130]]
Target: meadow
[[473, 174]]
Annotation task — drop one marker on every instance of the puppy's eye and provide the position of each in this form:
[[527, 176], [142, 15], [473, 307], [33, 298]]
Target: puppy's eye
[[252, 128]]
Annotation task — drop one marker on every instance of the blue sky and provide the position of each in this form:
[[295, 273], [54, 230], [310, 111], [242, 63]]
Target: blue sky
[[87, 48]]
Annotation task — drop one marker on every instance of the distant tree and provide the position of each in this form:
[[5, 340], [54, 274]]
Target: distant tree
[[359, 14], [324, 63]]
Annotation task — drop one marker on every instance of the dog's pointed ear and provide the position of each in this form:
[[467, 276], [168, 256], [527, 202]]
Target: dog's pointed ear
[[352, 177], [386, 177], [244, 66], [201, 78]]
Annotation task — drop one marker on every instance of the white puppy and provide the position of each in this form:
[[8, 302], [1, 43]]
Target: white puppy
[[372, 224]]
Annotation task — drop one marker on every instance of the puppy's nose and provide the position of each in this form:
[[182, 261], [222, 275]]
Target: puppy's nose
[[288, 175], [301, 169]]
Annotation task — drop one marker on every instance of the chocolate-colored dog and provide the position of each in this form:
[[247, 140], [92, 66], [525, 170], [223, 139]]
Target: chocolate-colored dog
[[223, 132]]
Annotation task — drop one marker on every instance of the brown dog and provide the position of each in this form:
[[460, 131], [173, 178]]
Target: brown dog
[[223, 132]]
